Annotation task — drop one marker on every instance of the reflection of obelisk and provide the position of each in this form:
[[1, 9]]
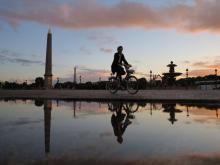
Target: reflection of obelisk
[[47, 122], [48, 68]]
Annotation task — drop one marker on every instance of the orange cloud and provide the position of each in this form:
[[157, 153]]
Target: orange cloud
[[202, 15], [201, 72], [203, 67]]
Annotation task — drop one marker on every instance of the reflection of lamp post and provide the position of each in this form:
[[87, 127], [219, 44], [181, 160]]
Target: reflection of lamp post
[[216, 113], [151, 109], [187, 110], [57, 103]]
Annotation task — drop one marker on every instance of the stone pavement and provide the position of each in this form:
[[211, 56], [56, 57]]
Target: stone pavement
[[180, 95]]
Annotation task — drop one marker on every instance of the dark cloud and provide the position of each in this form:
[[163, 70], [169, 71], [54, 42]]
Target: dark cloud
[[7, 56]]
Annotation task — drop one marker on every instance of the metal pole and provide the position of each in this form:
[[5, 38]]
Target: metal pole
[[187, 75], [150, 78]]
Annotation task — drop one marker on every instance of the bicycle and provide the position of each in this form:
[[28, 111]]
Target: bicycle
[[130, 82], [129, 107]]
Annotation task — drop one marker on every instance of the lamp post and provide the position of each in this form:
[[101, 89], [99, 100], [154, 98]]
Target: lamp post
[[216, 78], [80, 79], [187, 73], [150, 77], [216, 72]]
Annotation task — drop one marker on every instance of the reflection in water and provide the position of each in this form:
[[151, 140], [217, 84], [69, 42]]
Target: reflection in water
[[74, 109], [47, 121], [187, 111], [171, 109], [119, 119], [47, 124], [210, 106]]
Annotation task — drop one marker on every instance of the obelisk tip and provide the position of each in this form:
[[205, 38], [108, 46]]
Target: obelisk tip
[[49, 30]]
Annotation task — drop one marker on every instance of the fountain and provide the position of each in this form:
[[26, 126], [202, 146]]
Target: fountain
[[170, 77]]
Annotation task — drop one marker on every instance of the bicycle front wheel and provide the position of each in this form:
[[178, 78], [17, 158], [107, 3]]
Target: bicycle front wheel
[[113, 85], [132, 85], [132, 107]]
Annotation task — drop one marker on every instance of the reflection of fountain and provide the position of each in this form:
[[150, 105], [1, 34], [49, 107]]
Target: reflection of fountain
[[47, 124], [171, 108], [170, 77]]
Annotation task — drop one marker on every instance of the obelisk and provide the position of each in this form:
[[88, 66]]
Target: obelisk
[[48, 65]]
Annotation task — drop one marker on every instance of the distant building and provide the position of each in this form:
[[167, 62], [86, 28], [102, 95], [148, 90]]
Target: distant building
[[208, 85], [74, 76]]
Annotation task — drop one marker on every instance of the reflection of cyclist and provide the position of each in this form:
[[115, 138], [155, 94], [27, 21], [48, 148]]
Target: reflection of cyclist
[[119, 59], [119, 123]]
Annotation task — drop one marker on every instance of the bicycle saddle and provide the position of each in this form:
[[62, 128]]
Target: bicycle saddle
[[131, 71]]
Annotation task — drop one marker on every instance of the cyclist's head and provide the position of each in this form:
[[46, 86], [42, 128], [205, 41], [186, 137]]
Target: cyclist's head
[[120, 49], [120, 139]]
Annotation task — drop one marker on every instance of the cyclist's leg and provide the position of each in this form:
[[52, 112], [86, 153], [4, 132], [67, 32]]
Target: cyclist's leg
[[118, 76]]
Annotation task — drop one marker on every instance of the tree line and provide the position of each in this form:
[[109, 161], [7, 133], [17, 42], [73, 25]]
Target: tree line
[[142, 82]]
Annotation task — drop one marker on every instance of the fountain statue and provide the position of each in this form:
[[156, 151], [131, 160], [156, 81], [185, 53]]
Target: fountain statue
[[170, 77]]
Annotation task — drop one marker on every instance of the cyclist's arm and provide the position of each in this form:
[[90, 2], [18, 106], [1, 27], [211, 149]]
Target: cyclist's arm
[[124, 60]]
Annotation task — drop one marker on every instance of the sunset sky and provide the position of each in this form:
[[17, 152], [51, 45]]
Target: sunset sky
[[86, 34]]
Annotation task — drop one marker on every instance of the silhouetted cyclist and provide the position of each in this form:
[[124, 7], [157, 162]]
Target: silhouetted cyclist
[[119, 60]]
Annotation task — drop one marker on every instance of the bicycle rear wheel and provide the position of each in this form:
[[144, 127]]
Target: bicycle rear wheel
[[132, 85], [113, 85]]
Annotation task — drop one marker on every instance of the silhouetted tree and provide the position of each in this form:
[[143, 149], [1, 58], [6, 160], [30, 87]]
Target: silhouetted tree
[[142, 83], [39, 82]]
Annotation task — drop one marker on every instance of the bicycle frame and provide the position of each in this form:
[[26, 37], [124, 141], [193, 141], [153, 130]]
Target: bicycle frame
[[128, 73]]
